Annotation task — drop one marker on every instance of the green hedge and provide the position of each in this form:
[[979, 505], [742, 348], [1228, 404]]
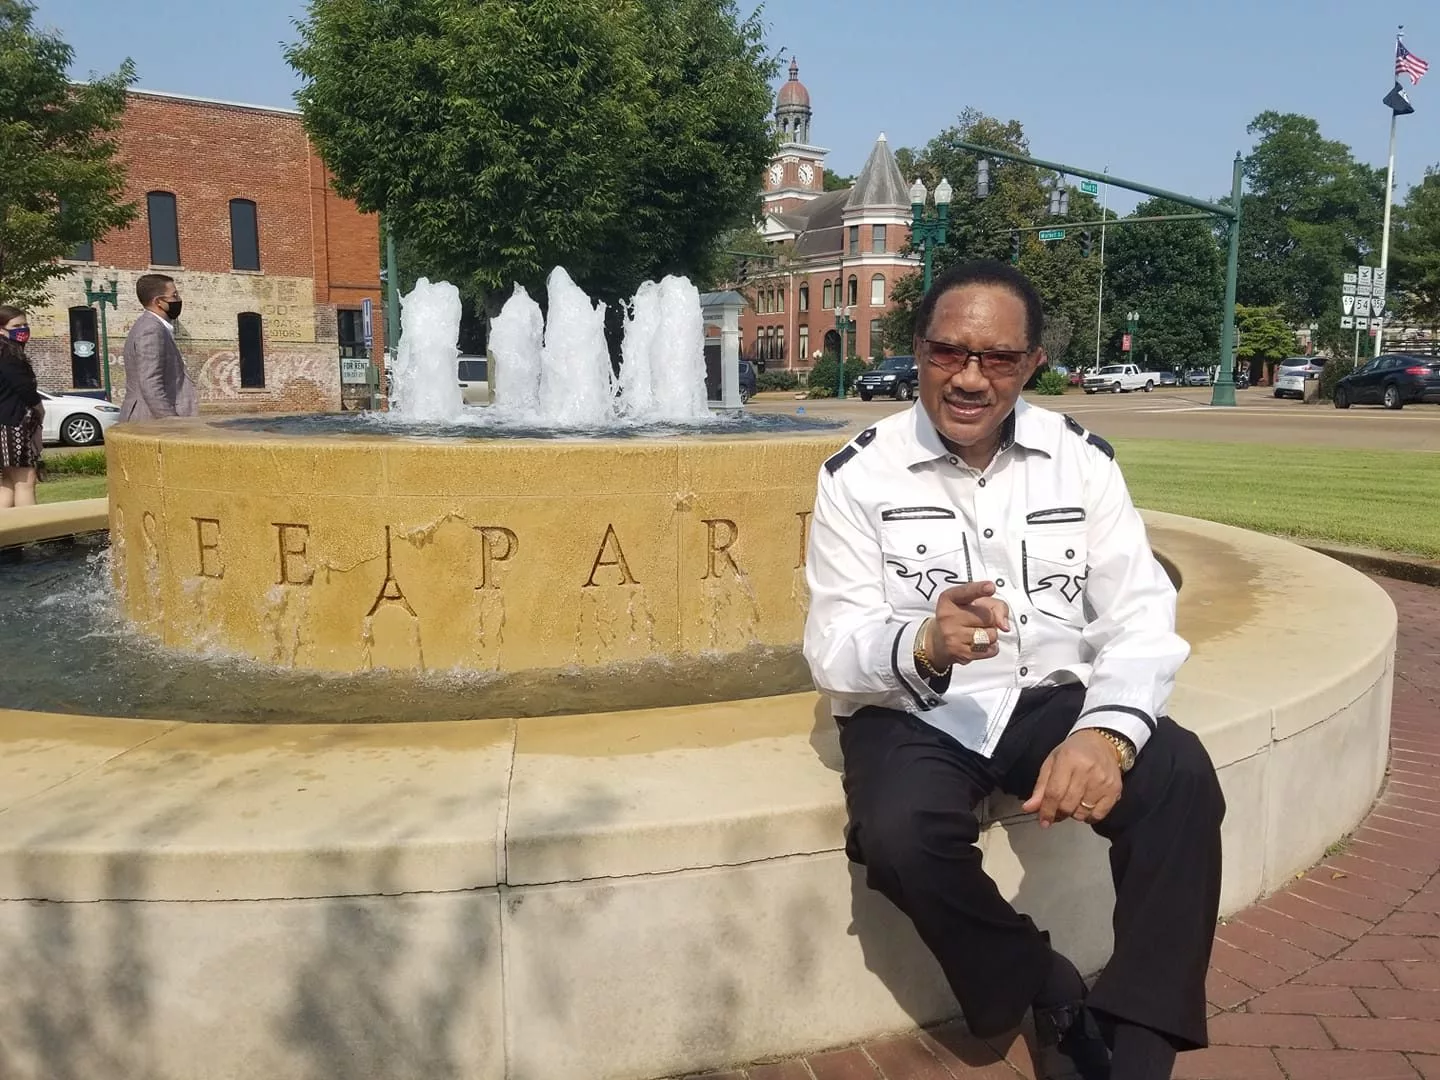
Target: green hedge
[[1051, 383], [80, 463], [825, 374], [776, 380], [1334, 370]]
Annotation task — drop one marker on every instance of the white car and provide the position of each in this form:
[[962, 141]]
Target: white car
[[1291, 376], [76, 421]]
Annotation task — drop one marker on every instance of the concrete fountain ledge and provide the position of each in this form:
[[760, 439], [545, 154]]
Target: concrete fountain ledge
[[626, 895]]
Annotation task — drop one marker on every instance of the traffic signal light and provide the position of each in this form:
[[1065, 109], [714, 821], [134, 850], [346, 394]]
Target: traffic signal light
[[982, 178], [1015, 248], [1085, 243]]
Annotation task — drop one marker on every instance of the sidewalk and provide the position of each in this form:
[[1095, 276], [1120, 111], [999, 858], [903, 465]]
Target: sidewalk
[[1335, 978]]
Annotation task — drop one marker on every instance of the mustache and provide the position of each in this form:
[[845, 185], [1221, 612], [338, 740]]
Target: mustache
[[960, 397]]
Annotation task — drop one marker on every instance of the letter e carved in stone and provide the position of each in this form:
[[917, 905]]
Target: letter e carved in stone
[[207, 544], [295, 568], [616, 560]]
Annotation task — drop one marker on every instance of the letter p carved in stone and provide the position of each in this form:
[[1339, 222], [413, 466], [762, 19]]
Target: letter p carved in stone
[[497, 544]]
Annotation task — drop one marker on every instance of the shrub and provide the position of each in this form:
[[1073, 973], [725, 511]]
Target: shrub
[[1334, 370], [1051, 383], [776, 380], [80, 463], [824, 375]]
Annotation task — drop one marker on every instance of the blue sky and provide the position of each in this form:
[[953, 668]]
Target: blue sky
[[1151, 90]]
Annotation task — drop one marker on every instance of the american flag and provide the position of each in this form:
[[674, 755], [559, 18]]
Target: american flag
[[1407, 63]]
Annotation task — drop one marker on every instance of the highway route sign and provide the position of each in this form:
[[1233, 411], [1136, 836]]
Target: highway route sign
[[1347, 322]]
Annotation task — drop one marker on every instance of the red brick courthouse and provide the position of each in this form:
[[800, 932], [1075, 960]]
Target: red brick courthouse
[[272, 264]]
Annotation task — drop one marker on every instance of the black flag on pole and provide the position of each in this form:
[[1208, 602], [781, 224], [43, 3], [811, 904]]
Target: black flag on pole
[[1398, 102]]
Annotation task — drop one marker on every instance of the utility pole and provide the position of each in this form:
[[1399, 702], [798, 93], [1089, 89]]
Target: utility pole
[[1100, 293]]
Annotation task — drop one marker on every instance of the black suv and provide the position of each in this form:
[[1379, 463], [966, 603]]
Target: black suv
[[896, 377], [1393, 380]]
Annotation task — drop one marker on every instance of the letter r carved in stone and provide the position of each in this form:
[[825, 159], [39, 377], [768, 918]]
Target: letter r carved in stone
[[721, 534], [295, 568]]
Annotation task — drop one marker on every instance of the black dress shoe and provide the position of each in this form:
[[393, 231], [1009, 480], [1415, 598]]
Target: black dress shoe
[[1071, 1029]]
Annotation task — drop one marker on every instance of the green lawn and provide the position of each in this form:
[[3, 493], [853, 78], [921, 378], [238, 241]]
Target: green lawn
[[1366, 498], [62, 488]]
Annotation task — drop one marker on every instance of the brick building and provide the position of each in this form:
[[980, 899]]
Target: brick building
[[837, 252], [272, 264]]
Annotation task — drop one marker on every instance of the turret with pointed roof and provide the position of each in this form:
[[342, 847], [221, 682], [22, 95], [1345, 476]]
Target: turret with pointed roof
[[879, 185]]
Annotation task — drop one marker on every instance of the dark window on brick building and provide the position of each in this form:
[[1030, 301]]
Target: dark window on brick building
[[877, 239], [244, 235], [164, 229], [854, 239], [252, 351], [84, 252], [804, 297], [350, 326]]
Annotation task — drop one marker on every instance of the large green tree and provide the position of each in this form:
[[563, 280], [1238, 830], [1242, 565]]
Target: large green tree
[[1263, 337], [618, 138], [981, 228], [1311, 212], [61, 183], [1414, 272], [1170, 273]]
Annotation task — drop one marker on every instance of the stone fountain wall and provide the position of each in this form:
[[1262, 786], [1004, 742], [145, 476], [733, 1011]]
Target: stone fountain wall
[[351, 553]]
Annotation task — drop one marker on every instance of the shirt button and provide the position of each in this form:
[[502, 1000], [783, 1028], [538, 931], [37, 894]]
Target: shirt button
[[921, 549], [1024, 671], [1069, 553], [1024, 619], [954, 461], [1000, 581], [989, 533], [982, 481]]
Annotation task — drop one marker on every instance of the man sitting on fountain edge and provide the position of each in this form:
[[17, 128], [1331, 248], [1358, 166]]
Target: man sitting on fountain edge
[[986, 613]]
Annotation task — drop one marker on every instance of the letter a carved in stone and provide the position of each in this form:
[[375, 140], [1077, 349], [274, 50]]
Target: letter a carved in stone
[[390, 591], [617, 560]]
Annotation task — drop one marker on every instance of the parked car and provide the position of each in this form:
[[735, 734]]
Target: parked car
[[1169, 378], [1076, 378], [1197, 377], [1391, 379], [1115, 378], [896, 377], [474, 375], [1292, 373], [76, 421], [747, 381]]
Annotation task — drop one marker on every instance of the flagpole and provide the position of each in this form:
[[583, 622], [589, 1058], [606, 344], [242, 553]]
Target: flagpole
[[1385, 228]]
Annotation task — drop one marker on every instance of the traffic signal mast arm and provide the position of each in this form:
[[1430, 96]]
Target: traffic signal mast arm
[[1109, 224]]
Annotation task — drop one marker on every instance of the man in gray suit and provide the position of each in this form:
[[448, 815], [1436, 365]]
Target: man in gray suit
[[156, 382]]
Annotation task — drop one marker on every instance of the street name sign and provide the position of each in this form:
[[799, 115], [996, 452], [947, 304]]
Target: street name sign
[[1089, 187], [1052, 234]]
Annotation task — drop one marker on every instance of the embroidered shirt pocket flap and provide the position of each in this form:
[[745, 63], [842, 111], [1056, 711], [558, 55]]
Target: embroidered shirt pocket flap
[[1056, 515]]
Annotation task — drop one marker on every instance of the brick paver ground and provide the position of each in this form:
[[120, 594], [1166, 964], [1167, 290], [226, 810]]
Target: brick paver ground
[[1335, 978]]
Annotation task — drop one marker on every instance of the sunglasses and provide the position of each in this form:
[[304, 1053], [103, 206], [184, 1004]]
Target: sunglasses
[[994, 363]]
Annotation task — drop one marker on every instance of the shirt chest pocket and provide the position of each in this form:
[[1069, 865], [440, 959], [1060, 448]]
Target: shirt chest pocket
[[923, 558], [1056, 571]]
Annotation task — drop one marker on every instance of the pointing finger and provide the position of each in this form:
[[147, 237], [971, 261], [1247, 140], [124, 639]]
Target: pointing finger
[[966, 595]]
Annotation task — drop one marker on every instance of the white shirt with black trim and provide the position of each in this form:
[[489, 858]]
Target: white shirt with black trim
[[899, 519]]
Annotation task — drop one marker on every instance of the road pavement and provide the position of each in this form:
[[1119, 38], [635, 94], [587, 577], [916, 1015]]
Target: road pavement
[[1186, 414]]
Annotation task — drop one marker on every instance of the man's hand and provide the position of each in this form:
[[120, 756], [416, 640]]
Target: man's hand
[[959, 612], [1080, 779]]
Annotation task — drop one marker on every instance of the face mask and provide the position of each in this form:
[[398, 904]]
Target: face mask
[[172, 309], [20, 335]]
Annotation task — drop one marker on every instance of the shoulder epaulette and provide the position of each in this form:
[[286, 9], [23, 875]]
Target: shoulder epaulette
[[1089, 436], [864, 439]]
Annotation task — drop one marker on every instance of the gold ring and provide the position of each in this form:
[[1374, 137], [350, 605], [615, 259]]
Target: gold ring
[[980, 639], [1087, 805]]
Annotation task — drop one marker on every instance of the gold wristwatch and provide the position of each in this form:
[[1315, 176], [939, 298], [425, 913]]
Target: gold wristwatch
[[1124, 748], [922, 661]]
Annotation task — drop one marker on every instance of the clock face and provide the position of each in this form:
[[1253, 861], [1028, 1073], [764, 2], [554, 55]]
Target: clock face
[[806, 174], [776, 173]]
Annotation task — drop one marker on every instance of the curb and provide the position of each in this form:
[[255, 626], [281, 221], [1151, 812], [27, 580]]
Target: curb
[[1402, 567]]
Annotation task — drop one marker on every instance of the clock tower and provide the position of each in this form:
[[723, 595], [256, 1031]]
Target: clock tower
[[797, 171]]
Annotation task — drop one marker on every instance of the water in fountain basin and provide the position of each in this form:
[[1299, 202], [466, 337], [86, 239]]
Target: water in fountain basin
[[425, 381]]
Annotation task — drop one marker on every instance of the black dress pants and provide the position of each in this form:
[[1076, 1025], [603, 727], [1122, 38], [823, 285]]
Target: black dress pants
[[911, 791]]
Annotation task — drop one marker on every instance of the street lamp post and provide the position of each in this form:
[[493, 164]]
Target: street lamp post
[[1132, 329], [926, 231], [844, 324], [103, 296]]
